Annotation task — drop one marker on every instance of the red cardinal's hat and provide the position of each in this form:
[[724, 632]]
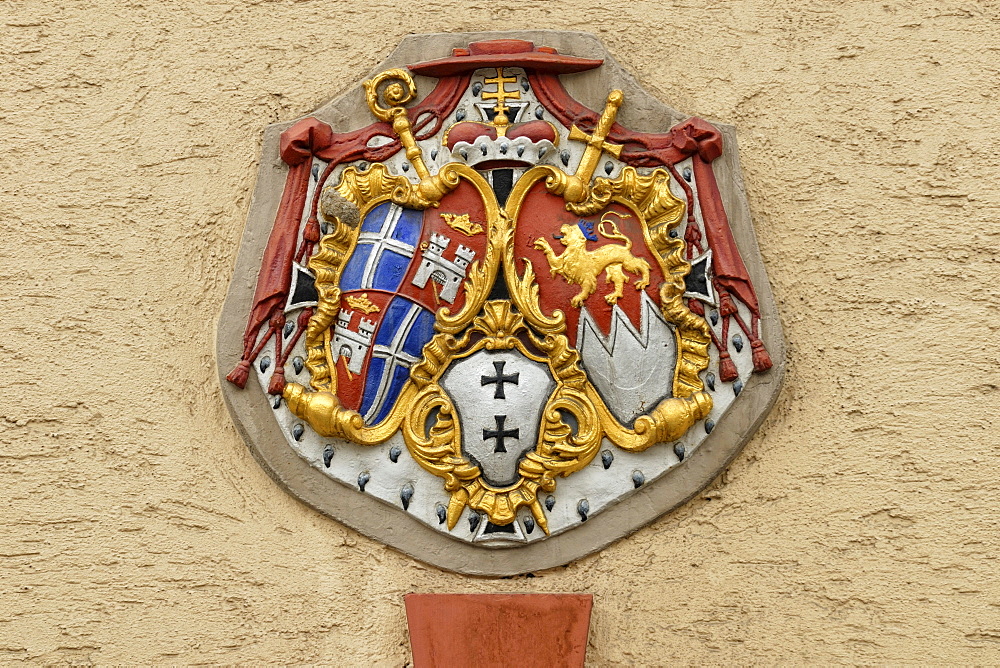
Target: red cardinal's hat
[[504, 53]]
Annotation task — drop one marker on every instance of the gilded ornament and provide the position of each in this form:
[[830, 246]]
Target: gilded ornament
[[362, 303], [559, 451], [582, 267], [471, 320], [462, 223]]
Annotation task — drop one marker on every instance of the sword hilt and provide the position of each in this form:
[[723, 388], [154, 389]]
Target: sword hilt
[[576, 189]]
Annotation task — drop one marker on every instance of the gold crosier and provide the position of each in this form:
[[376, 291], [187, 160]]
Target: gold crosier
[[424, 412]]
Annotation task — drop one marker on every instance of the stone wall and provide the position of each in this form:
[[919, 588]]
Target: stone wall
[[859, 525]]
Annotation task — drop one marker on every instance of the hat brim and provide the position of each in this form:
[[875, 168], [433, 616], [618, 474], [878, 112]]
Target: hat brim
[[548, 63]]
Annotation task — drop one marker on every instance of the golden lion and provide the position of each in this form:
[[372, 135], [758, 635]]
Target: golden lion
[[578, 266]]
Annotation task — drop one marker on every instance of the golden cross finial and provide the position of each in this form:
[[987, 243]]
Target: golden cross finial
[[501, 120]]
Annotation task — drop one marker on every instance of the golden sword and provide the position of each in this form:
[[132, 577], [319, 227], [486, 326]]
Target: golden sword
[[577, 185]]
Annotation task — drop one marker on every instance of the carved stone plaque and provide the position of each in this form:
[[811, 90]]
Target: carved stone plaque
[[499, 307]]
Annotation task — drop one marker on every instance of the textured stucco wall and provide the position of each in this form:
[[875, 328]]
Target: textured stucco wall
[[860, 524]]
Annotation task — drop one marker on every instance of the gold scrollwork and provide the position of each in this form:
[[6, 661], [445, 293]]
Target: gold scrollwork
[[366, 190], [560, 450], [575, 419], [396, 87], [327, 264]]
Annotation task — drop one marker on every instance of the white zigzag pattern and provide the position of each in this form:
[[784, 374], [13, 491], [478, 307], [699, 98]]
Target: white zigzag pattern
[[632, 369]]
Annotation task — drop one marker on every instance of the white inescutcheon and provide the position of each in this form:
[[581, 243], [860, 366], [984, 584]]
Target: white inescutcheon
[[499, 396]]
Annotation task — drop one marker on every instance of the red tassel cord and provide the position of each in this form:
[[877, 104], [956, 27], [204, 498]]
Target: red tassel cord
[[275, 275], [761, 360], [241, 374], [692, 235], [727, 368], [698, 308], [278, 386]]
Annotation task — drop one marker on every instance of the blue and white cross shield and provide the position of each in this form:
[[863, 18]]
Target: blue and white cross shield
[[386, 244], [402, 334]]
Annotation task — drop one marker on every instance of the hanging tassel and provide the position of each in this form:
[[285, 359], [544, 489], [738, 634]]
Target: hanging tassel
[[303, 320], [240, 374], [301, 323], [726, 305], [761, 360], [727, 368], [277, 384], [692, 235], [311, 233]]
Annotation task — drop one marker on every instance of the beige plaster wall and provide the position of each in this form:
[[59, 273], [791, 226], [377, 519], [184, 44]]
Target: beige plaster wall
[[859, 526]]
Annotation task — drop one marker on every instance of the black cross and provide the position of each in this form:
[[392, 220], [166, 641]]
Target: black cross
[[696, 283], [499, 379], [500, 433]]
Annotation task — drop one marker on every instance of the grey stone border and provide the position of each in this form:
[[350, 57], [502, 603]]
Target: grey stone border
[[395, 527]]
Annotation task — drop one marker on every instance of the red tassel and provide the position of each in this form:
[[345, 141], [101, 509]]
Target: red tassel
[[727, 368], [761, 360], [304, 318], [726, 305], [311, 233], [692, 235], [240, 374], [277, 384], [696, 307]]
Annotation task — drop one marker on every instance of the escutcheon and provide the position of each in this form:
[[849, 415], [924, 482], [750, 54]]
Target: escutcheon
[[498, 308]]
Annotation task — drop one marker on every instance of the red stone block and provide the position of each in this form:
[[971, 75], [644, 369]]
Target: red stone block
[[498, 630]]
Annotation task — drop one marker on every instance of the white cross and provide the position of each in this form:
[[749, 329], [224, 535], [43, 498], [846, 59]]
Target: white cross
[[381, 241], [394, 357]]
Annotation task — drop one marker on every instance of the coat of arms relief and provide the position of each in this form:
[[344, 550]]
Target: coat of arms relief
[[492, 315]]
